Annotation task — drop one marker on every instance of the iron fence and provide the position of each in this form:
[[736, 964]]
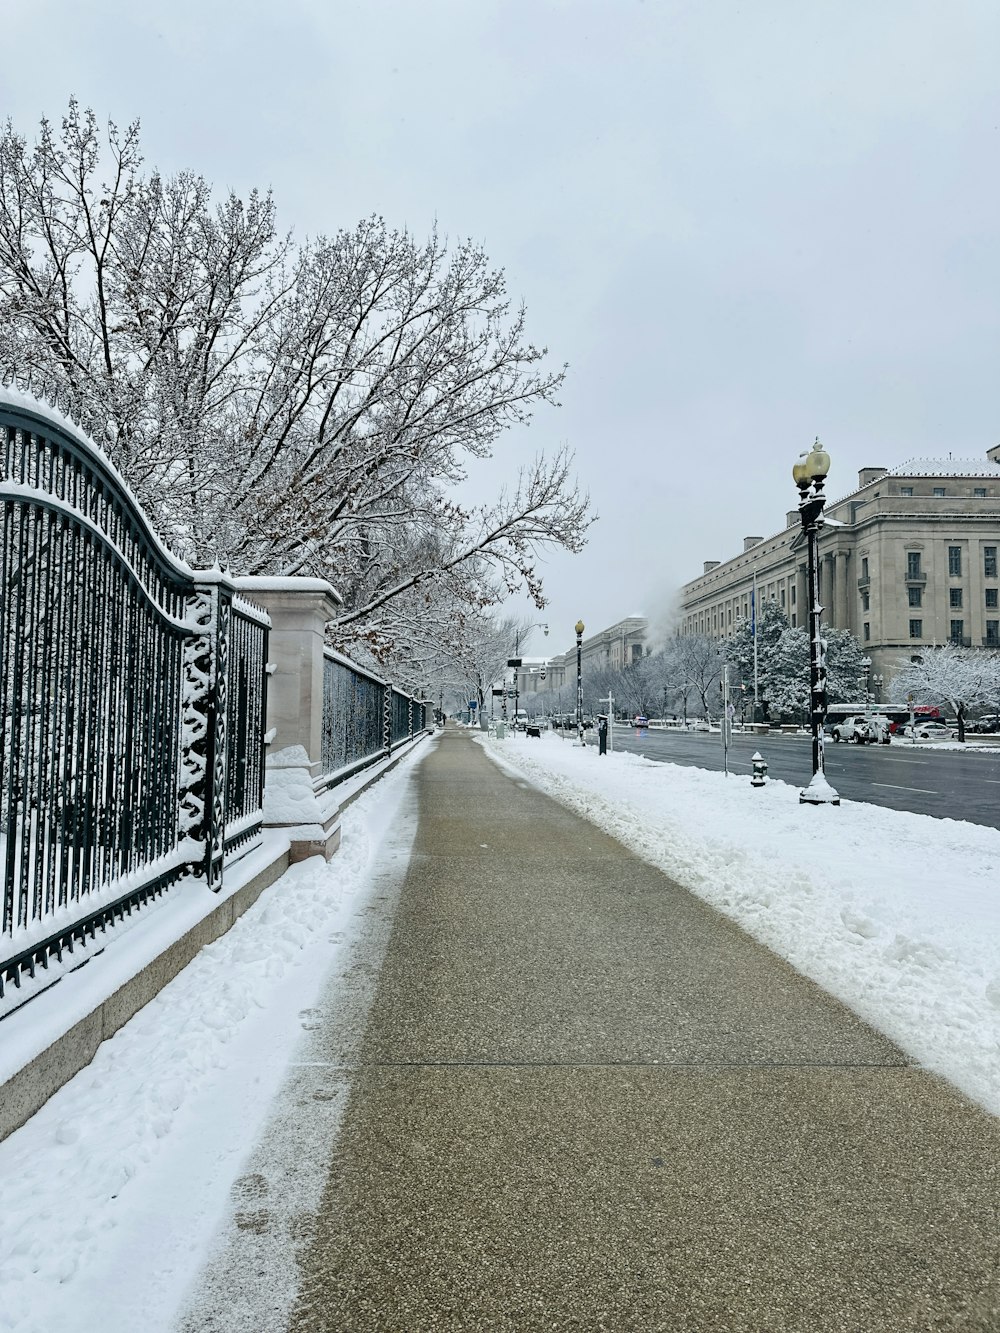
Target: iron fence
[[364, 717], [133, 697]]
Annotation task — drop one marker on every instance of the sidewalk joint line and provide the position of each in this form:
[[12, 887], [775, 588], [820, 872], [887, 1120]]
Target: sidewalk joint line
[[602, 1064]]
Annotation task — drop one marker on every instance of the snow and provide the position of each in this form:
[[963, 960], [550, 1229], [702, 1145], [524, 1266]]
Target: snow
[[945, 467], [12, 395], [286, 583], [113, 1190], [895, 913]]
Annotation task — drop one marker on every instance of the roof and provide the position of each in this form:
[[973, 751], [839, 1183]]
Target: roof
[[945, 467]]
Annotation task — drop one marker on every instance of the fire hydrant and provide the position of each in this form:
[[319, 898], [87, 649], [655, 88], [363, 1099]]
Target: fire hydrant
[[759, 775]]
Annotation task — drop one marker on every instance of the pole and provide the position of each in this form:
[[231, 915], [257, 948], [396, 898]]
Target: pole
[[814, 794], [725, 719], [579, 680], [610, 701], [815, 648], [517, 653], [756, 673]]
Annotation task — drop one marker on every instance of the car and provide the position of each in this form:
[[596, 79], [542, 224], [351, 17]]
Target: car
[[931, 730], [640, 721], [859, 729]]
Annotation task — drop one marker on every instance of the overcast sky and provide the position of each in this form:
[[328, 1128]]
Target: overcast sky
[[742, 225]]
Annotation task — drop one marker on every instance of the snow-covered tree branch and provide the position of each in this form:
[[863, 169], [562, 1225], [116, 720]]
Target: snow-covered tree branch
[[283, 407]]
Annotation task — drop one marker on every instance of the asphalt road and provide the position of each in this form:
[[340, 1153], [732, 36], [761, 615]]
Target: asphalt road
[[950, 784]]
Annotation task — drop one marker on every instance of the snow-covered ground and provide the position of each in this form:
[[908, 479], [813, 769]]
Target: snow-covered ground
[[898, 914], [112, 1192]]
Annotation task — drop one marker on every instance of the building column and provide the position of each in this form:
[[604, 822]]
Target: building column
[[801, 597], [842, 600]]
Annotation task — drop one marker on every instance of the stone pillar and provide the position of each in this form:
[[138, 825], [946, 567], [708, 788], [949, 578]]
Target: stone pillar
[[801, 597], [842, 600], [300, 610]]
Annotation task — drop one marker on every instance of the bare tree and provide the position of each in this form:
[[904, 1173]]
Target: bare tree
[[694, 662], [961, 677], [285, 408]]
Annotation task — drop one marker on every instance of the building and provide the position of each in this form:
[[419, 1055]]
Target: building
[[555, 677], [910, 560]]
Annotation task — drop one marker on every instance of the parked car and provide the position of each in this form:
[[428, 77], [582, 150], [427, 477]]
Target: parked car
[[983, 726], [931, 730]]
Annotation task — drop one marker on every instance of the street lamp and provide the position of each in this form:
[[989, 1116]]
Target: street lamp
[[579, 680], [866, 666], [809, 473], [515, 661]]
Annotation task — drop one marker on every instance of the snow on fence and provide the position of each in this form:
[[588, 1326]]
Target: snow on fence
[[363, 717], [133, 695]]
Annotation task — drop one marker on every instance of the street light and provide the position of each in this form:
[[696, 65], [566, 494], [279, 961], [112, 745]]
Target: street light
[[579, 680], [515, 661], [809, 473]]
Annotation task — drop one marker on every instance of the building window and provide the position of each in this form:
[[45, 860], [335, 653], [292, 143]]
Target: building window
[[915, 596], [993, 634], [913, 564], [866, 601], [906, 490], [990, 562], [916, 629], [793, 620], [782, 597], [955, 598], [991, 597], [939, 492], [955, 562], [867, 631], [957, 631], [864, 566], [979, 492], [793, 594]]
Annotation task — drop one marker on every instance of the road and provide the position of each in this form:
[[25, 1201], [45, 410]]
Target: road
[[946, 783]]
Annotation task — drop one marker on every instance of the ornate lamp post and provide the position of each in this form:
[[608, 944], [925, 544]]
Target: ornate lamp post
[[809, 474], [866, 668], [579, 680]]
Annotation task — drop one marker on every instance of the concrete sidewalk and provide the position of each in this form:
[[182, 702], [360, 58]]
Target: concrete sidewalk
[[583, 1100]]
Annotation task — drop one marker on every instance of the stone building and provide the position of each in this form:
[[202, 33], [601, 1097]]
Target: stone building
[[912, 561], [620, 644]]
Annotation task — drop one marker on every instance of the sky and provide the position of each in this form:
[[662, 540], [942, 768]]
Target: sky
[[741, 225], [144, 1145]]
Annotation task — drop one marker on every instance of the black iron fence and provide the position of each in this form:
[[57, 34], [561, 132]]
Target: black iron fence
[[133, 697], [363, 717]]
